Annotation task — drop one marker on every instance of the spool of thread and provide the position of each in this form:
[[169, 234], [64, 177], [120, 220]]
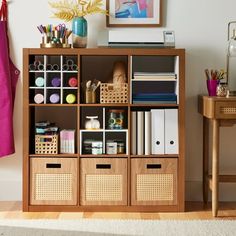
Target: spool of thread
[[32, 67], [39, 82], [73, 82], [41, 67], [39, 98], [49, 67], [69, 62], [54, 98], [65, 67], [70, 98], [55, 67], [56, 82], [74, 67]]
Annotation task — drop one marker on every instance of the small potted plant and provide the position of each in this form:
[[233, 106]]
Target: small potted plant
[[75, 11]]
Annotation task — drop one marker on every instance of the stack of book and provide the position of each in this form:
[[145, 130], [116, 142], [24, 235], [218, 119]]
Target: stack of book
[[165, 76], [46, 128], [155, 97]]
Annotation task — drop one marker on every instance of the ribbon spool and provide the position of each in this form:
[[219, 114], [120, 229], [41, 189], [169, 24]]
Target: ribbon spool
[[41, 67], [39, 98], [56, 82], [54, 98], [39, 82], [70, 98], [65, 67], [73, 82]]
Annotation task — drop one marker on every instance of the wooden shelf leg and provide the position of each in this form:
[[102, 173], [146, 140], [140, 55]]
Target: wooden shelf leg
[[205, 159], [215, 167]]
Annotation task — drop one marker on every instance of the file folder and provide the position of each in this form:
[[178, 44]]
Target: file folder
[[171, 131], [140, 133], [147, 133], [158, 131]]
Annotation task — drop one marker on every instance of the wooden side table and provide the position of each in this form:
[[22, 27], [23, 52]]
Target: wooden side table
[[219, 112]]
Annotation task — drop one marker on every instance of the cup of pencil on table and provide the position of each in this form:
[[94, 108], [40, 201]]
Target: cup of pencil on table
[[213, 80]]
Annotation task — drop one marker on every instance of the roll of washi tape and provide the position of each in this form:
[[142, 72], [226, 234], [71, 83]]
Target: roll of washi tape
[[69, 62], [39, 98], [41, 67], [54, 98], [32, 67], [56, 82], [49, 67], [65, 67], [70, 98], [55, 67], [74, 67], [39, 81], [73, 82]]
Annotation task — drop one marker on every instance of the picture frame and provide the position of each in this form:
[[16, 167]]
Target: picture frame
[[134, 13]]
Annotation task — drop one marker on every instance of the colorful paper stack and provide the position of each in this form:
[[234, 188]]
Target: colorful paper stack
[[67, 141]]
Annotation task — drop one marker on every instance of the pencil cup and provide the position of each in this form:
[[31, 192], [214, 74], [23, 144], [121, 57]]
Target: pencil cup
[[90, 96], [211, 87]]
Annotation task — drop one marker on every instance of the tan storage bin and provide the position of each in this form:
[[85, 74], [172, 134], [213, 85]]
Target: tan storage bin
[[53, 181], [154, 181], [103, 181]]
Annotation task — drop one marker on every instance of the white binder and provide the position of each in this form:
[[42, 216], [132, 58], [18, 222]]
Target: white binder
[[134, 132], [147, 133], [158, 131], [171, 131], [140, 133]]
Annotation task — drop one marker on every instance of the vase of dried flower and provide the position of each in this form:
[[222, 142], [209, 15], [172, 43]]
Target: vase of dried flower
[[79, 32]]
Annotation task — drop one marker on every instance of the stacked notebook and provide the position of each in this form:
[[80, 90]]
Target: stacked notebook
[[152, 97]]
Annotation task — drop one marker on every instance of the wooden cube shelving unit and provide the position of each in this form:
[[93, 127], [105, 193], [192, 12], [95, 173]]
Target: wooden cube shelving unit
[[103, 182]]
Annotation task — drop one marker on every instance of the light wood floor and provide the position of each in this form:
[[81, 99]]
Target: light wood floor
[[194, 210]]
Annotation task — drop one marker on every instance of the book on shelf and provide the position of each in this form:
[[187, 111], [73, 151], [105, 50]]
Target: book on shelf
[[134, 132], [152, 98], [154, 76]]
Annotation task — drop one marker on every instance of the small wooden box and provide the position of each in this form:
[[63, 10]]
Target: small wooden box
[[46, 144], [154, 181], [114, 93], [103, 181], [53, 181]]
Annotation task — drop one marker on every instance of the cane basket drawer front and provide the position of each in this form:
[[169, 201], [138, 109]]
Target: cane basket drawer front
[[154, 181], [103, 181], [53, 181], [225, 110]]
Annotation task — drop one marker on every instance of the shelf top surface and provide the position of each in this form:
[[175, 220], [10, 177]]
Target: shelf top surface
[[105, 51]]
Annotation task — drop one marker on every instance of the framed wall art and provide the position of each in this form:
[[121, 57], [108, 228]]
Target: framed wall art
[[134, 13]]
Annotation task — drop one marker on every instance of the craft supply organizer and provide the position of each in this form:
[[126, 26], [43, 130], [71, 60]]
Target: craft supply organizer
[[119, 162]]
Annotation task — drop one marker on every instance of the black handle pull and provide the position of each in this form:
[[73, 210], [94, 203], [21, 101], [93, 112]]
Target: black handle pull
[[158, 142], [53, 165], [172, 142], [103, 166], [153, 166]]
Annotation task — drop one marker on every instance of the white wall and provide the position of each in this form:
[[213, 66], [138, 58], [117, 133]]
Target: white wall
[[200, 27]]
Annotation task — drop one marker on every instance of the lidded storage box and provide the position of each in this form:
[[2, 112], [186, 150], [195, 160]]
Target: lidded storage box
[[103, 181], [154, 181], [53, 181]]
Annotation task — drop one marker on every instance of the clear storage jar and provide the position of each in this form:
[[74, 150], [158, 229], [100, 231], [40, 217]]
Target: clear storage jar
[[116, 119]]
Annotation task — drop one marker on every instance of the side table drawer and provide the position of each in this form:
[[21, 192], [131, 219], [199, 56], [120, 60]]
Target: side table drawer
[[225, 110]]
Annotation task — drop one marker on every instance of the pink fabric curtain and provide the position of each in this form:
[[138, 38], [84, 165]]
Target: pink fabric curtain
[[8, 78]]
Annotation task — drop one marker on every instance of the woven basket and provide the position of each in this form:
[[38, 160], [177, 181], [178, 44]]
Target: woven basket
[[46, 144], [114, 93]]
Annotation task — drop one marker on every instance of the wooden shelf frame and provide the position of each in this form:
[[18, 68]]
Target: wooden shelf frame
[[128, 52]]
